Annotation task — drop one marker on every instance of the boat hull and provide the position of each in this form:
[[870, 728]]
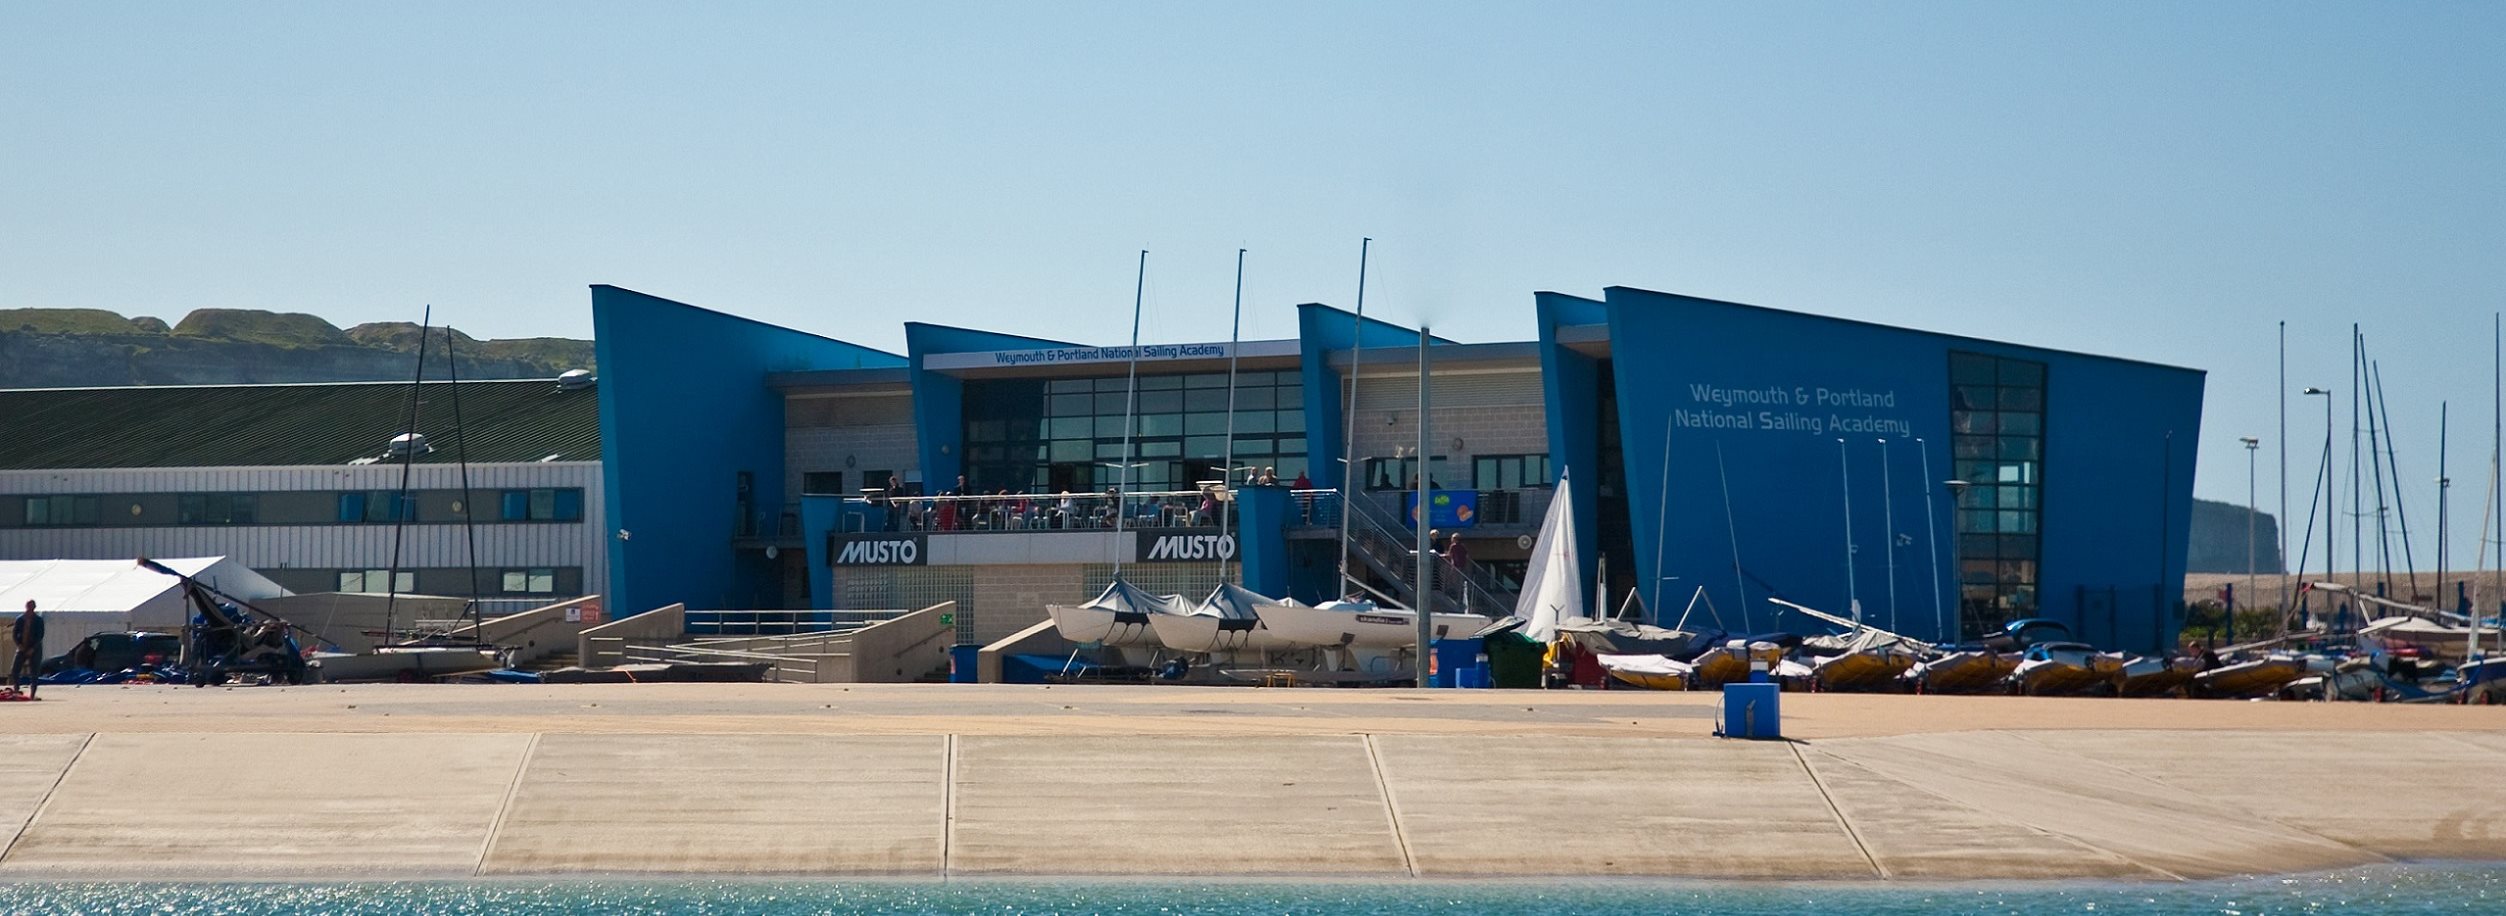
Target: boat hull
[[1102, 626], [1381, 628], [1651, 672], [1211, 633], [1860, 671], [1730, 665], [2246, 679], [402, 664], [1963, 672]]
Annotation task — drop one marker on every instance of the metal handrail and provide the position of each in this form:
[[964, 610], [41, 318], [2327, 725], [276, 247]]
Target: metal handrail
[[1066, 511]]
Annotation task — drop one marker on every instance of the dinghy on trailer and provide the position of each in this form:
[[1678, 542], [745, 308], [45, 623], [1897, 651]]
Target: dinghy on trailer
[[1358, 625], [1963, 671], [1864, 658], [2064, 668], [1651, 672], [1229, 620], [1118, 616]]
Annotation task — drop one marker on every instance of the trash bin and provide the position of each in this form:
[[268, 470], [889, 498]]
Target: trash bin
[[1456, 659], [963, 662]]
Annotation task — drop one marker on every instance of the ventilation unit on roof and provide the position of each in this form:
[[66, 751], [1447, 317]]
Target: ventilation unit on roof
[[575, 380], [407, 444]]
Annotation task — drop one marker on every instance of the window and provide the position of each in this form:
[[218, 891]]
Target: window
[[542, 505], [1400, 473], [822, 483], [1509, 472], [374, 580], [1028, 434], [1997, 427], [377, 506], [217, 508], [539, 581], [63, 511]]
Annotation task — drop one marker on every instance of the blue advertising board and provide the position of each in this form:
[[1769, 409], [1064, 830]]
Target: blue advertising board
[[1446, 508]]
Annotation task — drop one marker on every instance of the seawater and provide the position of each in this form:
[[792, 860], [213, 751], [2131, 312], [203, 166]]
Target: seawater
[[2392, 889]]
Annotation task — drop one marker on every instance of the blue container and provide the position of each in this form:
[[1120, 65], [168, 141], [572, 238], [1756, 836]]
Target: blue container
[[1454, 660], [1750, 711], [962, 663]]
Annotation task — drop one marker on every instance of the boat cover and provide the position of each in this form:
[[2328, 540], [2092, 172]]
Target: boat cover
[[1234, 602], [1645, 664], [1625, 637], [1125, 598]]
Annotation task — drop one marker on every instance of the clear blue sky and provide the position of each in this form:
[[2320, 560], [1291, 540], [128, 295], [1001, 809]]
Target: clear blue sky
[[2159, 181]]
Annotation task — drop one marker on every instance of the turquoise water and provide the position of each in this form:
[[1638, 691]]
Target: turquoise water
[[2366, 891]]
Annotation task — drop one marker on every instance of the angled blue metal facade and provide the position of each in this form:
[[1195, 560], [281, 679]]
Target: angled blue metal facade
[[684, 411]]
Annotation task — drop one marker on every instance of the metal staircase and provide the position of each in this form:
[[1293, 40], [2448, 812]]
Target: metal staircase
[[1382, 541]]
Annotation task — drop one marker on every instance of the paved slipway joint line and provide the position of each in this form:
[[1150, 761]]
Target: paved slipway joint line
[[496, 827], [1392, 806], [1832, 808], [948, 806], [38, 813]]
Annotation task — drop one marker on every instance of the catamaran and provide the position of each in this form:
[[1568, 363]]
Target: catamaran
[[1117, 617], [1229, 620]]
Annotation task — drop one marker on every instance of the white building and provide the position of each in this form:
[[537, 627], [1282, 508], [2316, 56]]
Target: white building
[[299, 483]]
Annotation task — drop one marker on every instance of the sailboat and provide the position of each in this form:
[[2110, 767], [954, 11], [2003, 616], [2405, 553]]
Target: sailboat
[[1229, 620], [1864, 658], [1117, 617]]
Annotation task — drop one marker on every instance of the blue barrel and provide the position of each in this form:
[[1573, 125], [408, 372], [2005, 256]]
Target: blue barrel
[[1750, 711], [962, 663]]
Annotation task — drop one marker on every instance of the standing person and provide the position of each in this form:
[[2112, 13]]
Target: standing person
[[1458, 553], [27, 631]]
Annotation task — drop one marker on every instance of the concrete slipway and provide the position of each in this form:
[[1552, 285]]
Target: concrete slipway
[[144, 799]]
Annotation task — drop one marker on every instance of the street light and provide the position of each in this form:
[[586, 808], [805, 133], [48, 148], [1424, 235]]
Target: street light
[[2328, 496], [2228, 627]]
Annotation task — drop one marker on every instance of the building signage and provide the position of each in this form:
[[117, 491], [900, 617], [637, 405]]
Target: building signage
[[1164, 548], [1806, 409], [1446, 508], [877, 550], [1062, 356]]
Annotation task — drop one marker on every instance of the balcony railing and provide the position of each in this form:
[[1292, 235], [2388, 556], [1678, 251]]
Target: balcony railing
[[1038, 512]]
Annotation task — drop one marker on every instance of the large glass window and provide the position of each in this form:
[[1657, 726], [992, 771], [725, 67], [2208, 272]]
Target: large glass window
[[547, 504], [1509, 472], [1997, 441], [62, 511], [217, 508], [1040, 435]]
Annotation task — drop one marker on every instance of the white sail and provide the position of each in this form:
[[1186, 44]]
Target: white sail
[[1553, 589]]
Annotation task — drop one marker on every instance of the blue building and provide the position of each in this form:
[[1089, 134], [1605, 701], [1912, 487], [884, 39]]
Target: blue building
[[1939, 484]]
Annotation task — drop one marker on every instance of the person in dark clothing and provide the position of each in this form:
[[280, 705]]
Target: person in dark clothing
[[27, 632]]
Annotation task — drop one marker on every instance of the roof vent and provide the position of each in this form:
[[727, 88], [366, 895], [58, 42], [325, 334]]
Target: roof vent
[[407, 444], [574, 380]]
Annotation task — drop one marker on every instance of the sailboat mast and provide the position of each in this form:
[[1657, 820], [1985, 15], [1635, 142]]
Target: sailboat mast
[[1426, 590], [2393, 468], [2286, 580], [1227, 465], [1888, 517], [1662, 523], [2442, 484], [2357, 493], [1130, 400], [1844, 473], [2375, 468], [469, 505], [1731, 531], [1348, 439], [400, 499], [1931, 536]]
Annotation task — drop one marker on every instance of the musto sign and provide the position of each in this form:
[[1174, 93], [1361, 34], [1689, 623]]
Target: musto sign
[[1160, 548], [877, 550]]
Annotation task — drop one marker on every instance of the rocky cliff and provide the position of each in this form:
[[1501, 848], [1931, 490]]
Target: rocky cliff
[[56, 348]]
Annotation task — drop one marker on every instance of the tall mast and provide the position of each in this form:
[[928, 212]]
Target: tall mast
[[2393, 468], [1662, 523], [1227, 466], [2375, 469], [2286, 580], [469, 505], [400, 499], [1348, 440], [1130, 399], [1931, 537], [2357, 493], [1844, 474], [1426, 590], [1888, 539]]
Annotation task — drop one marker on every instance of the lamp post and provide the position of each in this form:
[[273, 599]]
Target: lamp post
[[2228, 627], [1957, 495], [2329, 504]]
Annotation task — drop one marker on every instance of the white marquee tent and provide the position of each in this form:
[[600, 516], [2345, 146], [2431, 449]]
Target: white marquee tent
[[83, 597]]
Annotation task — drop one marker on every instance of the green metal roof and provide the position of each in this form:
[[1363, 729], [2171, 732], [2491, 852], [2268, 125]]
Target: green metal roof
[[317, 424]]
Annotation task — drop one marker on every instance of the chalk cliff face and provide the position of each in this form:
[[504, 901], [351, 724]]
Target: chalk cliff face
[[57, 348]]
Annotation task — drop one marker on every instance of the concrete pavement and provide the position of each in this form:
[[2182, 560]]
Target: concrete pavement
[[1219, 783]]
